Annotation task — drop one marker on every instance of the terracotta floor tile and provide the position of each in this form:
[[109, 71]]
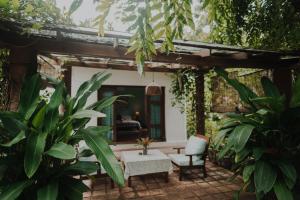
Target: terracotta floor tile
[[193, 186]]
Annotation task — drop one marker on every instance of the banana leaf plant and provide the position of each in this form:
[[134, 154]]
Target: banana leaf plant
[[38, 156], [265, 139]]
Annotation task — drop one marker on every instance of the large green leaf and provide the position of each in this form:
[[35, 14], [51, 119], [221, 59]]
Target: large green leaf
[[282, 192], [289, 172], [30, 95], [48, 192], [81, 168], [247, 172], [269, 88], [74, 6], [295, 100], [242, 134], [220, 136], [38, 119], [87, 114], [228, 145], [34, 152], [264, 176], [13, 191], [12, 125], [73, 189], [16, 139], [105, 155], [62, 151], [87, 88]]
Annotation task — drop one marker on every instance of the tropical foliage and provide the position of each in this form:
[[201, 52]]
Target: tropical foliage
[[262, 24], [36, 13], [265, 140], [150, 21], [38, 158]]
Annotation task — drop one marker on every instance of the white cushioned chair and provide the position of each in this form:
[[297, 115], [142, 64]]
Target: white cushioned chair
[[194, 156]]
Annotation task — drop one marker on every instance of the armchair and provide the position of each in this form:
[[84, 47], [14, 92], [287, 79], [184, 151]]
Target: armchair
[[194, 157]]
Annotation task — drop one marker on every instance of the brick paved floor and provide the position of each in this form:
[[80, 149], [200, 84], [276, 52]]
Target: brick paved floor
[[216, 187]]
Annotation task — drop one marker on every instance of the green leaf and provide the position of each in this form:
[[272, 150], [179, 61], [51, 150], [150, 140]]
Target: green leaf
[[34, 152], [85, 153], [258, 152], [73, 189], [289, 172], [39, 117], [12, 125], [241, 155], [105, 155], [62, 151], [88, 87], [242, 134], [264, 176], [48, 192], [4, 3], [269, 88], [74, 6], [87, 114], [13, 191], [81, 168], [247, 172], [16, 139], [220, 136], [30, 95], [282, 192]]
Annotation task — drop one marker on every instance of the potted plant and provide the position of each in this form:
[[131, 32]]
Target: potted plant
[[144, 142], [265, 139], [38, 159]]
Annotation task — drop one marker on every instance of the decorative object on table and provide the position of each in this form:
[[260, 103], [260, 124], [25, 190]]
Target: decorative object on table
[[145, 142]]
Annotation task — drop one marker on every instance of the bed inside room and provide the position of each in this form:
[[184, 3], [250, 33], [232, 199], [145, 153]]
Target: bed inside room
[[129, 116]]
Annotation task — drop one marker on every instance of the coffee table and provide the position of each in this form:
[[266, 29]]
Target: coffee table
[[155, 162]]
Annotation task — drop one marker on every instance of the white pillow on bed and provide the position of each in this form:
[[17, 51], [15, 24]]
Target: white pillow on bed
[[195, 145]]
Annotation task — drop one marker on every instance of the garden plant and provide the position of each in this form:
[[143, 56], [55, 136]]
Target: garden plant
[[38, 156], [265, 140]]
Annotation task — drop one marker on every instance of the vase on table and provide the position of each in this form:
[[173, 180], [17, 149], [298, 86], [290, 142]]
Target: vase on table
[[145, 150]]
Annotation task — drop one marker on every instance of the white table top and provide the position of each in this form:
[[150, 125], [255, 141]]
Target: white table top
[[154, 162]]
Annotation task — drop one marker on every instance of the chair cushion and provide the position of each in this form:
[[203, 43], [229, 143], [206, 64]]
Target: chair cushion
[[195, 145], [183, 160]]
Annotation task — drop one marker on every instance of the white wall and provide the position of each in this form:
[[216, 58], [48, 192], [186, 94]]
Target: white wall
[[174, 120]]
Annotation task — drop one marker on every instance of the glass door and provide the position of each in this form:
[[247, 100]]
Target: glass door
[[156, 116], [109, 119]]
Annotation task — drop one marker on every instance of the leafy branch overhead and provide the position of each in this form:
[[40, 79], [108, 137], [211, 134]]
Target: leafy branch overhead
[[149, 21]]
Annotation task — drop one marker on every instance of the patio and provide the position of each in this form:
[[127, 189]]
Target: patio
[[193, 186]]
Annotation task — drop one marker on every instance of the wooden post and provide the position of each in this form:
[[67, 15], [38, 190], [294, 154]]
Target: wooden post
[[200, 108], [22, 63], [283, 80]]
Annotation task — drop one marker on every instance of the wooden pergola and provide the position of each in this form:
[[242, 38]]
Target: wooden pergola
[[73, 46]]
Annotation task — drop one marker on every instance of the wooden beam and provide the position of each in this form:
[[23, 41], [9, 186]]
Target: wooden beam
[[107, 51], [116, 66], [83, 48]]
